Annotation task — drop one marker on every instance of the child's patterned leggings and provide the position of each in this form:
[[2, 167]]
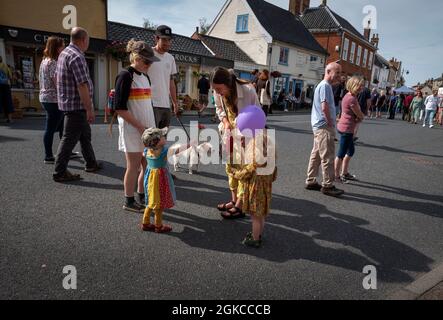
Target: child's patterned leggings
[[158, 217]]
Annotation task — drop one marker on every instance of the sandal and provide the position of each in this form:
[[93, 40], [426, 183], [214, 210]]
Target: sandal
[[224, 206], [234, 213], [163, 229]]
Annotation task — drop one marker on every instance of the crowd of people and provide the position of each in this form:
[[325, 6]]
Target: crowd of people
[[144, 93], [412, 107]]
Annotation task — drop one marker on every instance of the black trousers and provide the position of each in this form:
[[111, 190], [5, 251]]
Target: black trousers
[[76, 128]]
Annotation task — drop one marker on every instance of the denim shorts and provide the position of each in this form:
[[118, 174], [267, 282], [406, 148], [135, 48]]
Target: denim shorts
[[347, 146]]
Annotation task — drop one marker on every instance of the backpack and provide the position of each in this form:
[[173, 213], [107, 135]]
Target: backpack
[[110, 108]]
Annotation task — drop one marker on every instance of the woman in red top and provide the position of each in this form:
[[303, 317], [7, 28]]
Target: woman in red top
[[351, 115]]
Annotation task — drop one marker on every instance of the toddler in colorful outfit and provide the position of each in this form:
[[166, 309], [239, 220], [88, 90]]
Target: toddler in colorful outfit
[[159, 185]]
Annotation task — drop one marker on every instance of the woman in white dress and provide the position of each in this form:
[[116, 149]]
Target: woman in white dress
[[135, 114]]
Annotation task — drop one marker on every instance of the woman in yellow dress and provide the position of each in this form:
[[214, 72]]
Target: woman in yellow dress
[[231, 96]]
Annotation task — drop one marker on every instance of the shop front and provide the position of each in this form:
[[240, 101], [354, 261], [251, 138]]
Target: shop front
[[23, 50]]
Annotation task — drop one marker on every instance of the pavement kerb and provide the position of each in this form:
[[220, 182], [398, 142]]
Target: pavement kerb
[[418, 288]]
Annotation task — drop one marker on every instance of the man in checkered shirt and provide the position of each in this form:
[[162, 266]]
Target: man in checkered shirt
[[74, 89]]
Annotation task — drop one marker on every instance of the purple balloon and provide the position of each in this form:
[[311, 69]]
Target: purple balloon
[[250, 119]]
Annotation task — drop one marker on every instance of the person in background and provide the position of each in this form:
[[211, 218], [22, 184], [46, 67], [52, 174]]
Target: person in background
[[364, 101], [5, 91], [417, 105], [380, 104], [162, 75], [392, 106], [351, 115], [431, 105], [74, 94], [399, 107], [374, 99], [323, 120], [440, 113], [339, 93], [281, 100], [203, 87], [254, 80], [48, 94], [264, 91], [406, 110]]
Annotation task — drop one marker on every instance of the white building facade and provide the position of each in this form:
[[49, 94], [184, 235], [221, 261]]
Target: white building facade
[[263, 31]]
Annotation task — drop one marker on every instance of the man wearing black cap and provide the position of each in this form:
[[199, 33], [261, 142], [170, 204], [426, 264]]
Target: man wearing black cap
[[162, 75]]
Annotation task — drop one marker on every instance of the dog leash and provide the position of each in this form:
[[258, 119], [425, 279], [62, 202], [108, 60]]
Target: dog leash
[[181, 123]]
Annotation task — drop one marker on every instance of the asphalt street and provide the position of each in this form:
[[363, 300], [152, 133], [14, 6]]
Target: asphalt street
[[315, 247]]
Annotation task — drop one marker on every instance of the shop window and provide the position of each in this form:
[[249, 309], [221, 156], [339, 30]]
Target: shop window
[[181, 85], [24, 74]]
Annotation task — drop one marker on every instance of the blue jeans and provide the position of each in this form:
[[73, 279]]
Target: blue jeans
[[6, 104], [347, 146], [429, 117], [54, 123]]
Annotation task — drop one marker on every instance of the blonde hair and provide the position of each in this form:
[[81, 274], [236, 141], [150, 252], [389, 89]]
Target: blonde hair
[[354, 84], [130, 48]]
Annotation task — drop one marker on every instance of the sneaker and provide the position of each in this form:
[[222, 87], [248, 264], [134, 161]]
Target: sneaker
[[332, 192], [66, 177], [50, 160], [252, 243], [98, 167], [424, 126], [74, 155], [356, 139], [313, 187], [349, 177], [250, 236], [431, 126], [134, 207]]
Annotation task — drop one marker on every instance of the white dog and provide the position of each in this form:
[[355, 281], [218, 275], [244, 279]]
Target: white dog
[[191, 156]]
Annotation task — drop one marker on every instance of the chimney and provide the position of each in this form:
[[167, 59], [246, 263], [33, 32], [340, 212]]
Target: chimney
[[367, 30], [375, 40], [324, 3], [297, 7]]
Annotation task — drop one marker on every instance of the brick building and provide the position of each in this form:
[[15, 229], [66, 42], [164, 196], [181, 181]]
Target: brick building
[[344, 43]]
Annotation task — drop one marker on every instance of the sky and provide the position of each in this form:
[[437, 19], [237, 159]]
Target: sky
[[408, 30]]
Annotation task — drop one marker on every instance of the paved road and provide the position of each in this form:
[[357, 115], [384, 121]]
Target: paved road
[[316, 247]]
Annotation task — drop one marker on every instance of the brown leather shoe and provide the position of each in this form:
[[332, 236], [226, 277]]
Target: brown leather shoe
[[98, 166], [332, 192], [314, 187]]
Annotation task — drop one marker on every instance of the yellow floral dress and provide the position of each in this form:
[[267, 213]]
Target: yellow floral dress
[[234, 184], [257, 187]]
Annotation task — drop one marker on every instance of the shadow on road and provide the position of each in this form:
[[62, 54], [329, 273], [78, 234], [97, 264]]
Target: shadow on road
[[395, 150], [305, 231], [426, 208], [10, 139]]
